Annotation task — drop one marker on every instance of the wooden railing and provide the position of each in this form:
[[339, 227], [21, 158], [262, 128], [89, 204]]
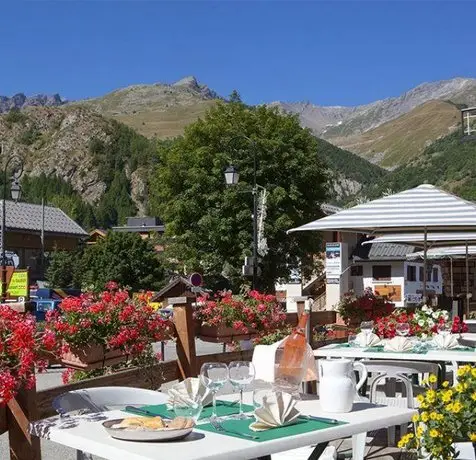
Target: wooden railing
[[31, 405]]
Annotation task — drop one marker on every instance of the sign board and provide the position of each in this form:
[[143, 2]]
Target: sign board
[[18, 286], [333, 260], [393, 292], [413, 298], [332, 281]]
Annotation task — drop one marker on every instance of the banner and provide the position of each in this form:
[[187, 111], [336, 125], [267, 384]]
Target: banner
[[333, 260], [18, 286]]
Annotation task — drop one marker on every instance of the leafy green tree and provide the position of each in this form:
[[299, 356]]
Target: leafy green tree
[[209, 225], [62, 269], [235, 96], [122, 257]]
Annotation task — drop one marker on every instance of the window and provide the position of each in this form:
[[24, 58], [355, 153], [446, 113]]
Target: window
[[435, 275], [411, 273], [381, 272], [421, 274], [356, 270]]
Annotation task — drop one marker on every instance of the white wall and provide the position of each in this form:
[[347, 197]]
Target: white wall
[[292, 290]]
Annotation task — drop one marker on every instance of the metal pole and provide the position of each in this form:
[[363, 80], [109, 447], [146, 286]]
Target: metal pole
[[467, 281], [43, 235], [451, 277], [255, 222], [4, 268], [425, 255]]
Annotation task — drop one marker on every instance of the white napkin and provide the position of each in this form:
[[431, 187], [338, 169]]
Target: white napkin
[[446, 342], [190, 391], [278, 409], [264, 360], [398, 344], [367, 340]]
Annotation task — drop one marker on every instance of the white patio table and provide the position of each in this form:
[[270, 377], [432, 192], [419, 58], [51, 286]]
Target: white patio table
[[90, 436]]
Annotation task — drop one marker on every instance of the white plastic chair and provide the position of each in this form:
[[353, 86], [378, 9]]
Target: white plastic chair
[[102, 399], [389, 372]]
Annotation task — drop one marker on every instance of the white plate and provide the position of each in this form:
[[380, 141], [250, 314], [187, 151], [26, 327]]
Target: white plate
[[166, 434]]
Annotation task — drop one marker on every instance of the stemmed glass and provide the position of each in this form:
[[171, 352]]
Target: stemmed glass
[[443, 329], [242, 373], [352, 340], [214, 376], [367, 327], [402, 329]]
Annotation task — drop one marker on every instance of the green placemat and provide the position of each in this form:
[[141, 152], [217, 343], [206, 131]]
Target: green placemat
[[380, 349], [461, 349], [341, 345], [224, 408], [242, 426]]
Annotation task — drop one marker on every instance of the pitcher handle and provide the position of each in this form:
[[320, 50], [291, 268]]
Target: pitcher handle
[[363, 376]]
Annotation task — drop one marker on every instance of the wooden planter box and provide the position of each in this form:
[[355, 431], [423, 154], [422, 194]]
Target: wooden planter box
[[91, 357], [223, 334]]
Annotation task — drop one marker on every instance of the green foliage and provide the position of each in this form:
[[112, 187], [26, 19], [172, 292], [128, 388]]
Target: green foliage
[[350, 165], [234, 96], [210, 225], [60, 193], [29, 136], [62, 269], [448, 163], [125, 258], [15, 116]]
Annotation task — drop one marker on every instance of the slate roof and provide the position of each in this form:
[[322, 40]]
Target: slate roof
[[381, 251], [28, 216]]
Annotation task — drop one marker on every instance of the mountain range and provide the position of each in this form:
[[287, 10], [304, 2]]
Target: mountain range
[[70, 138]]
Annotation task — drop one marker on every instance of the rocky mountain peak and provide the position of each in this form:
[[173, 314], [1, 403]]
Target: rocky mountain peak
[[20, 101], [191, 83]]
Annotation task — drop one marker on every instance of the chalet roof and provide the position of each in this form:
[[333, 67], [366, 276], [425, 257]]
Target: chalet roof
[[28, 216], [382, 251]]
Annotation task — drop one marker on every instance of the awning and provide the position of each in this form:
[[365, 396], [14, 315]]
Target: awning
[[433, 239], [455, 252], [417, 209]]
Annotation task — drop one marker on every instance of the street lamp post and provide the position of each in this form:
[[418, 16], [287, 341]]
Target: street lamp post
[[231, 177], [15, 190]]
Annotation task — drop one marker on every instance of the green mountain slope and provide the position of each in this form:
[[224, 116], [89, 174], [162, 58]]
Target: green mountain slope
[[449, 163]]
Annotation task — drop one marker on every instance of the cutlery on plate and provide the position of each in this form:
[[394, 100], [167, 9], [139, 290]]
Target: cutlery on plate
[[219, 427], [331, 421], [140, 411]]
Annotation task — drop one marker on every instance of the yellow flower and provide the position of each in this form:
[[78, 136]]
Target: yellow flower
[[424, 417], [401, 444], [449, 407], [445, 384], [473, 372], [432, 378], [440, 417], [459, 388], [415, 418], [473, 396], [420, 431], [461, 371], [420, 398], [457, 406], [433, 416], [472, 437], [410, 435], [434, 433], [447, 396]]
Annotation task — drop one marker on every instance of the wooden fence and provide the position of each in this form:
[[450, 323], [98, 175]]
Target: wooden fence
[[31, 405]]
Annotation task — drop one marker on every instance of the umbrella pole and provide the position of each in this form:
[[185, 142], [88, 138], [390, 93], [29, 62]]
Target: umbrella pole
[[467, 282], [451, 277], [425, 254]]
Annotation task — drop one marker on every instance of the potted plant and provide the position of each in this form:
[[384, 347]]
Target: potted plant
[[104, 329], [22, 349], [227, 318], [369, 306], [445, 418]]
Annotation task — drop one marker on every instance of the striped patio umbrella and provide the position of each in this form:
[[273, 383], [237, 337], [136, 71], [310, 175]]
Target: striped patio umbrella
[[417, 210]]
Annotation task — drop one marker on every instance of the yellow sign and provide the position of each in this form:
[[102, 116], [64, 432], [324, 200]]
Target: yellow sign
[[18, 284]]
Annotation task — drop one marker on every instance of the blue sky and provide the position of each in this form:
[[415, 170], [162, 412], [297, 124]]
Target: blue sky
[[329, 53]]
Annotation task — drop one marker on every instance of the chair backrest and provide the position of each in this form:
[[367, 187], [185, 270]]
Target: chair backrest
[[106, 398], [397, 370]]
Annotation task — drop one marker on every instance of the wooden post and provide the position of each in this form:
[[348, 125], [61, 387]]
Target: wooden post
[[185, 330], [20, 412]]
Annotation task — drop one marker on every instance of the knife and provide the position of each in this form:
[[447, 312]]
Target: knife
[[331, 421]]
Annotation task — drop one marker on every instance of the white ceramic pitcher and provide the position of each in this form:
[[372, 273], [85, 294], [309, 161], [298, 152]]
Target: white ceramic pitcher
[[337, 387]]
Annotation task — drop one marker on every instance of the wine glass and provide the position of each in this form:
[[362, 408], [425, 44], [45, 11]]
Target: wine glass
[[352, 340], [214, 376], [242, 373], [443, 329], [367, 327], [402, 329]]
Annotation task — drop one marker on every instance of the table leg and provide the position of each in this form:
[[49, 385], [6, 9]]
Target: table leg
[[358, 446], [318, 451]]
